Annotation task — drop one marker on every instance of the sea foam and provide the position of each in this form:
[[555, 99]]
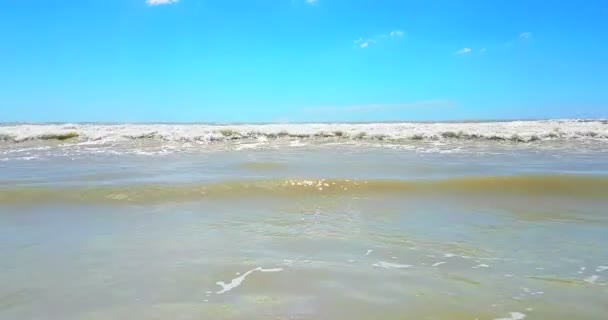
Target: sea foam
[[239, 280], [517, 131]]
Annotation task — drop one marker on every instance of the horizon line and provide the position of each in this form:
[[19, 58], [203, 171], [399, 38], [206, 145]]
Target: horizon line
[[218, 123]]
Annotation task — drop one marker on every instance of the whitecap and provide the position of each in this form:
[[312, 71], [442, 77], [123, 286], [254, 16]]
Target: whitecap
[[592, 279], [441, 134], [248, 146], [389, 265], [297, 143], [514, 316]]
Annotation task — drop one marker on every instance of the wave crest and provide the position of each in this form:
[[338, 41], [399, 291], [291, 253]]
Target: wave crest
[[515, 131]]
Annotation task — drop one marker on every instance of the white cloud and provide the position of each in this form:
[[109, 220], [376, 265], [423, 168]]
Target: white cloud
[[522, 39], [464, 51], [525, 36], [311, 1], [160, 2], [365, 43]]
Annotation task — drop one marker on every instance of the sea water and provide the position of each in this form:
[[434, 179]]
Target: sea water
[[499, 220]]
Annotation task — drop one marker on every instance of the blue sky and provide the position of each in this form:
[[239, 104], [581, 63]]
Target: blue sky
[[301, 60]]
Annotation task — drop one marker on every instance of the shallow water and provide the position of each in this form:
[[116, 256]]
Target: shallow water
[[300, 229]]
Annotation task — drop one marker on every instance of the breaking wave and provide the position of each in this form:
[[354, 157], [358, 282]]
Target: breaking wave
[[516, 131]]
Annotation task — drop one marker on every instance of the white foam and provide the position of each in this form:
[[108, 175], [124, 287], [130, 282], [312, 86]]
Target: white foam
[[481, 266], [239, 280], [204, 133], [436, 264], [368, 252], [592, 279], [297, 143], [514, 316], [249, 146], [601, 268], [389, 265]]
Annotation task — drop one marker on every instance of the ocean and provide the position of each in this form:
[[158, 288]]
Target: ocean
[[476, 220]]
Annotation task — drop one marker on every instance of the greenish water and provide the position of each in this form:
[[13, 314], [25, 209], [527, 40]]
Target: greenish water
[[322, 231]]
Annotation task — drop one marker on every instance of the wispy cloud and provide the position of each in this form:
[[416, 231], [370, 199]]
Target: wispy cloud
[[522, 38], [483, 50], [525, 36], [367, 42], [396, 33], [464, 51], [160, 2], [364, 43], [379, 107], [312, 1]]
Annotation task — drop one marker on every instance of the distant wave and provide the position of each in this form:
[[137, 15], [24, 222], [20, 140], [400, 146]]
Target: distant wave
[[515, 131], [558, 185]]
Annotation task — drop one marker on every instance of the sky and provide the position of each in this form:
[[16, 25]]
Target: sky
[[302, 60]]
